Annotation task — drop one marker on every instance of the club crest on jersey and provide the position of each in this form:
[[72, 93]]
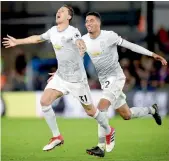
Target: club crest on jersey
[[63, 39], [76, 35]]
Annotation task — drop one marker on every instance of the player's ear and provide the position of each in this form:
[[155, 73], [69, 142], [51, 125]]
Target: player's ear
[[69, 17], [99, 22]]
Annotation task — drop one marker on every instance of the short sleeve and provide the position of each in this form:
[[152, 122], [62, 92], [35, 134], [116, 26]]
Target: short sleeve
[[46, 35], [76, 35], [114, 38]]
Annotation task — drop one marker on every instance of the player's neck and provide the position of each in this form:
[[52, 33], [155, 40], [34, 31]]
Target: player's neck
[[94, 35], [63, 26]]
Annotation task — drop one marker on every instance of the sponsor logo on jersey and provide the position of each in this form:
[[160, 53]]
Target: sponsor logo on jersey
[[96, 53], [57, 47]]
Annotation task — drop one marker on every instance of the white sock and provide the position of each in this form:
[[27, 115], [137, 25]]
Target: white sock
[[141, 111], [102, 120], [101, 131], [101, 135], [50, 118]]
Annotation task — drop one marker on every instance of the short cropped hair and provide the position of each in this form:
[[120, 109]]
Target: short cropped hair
[[70, 11], [96, 14]]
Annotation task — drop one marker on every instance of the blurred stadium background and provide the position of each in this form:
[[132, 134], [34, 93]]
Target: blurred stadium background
[[24, 71]]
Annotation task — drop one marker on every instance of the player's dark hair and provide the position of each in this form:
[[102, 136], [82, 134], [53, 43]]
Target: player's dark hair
[[70, 11], [96, 14]]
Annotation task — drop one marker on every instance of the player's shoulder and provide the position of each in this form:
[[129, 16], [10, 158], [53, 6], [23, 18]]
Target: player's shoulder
[[86, 36], [53, 28], [73, 29], [110, 35], [108, 32]]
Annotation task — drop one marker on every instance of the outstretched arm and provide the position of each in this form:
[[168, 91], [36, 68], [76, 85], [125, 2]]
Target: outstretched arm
[[10, 41], [141, 50]]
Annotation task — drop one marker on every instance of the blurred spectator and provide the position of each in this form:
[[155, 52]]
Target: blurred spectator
[[130, 81], [163, 76], [163, 40], [17, 76], [147, 63], [137, 71], [3, 81], [3, 76], [154, 79], [125, 63], [144, 85]]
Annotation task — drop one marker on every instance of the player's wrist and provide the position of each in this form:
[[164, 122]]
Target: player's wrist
[[18, 42], [149, 53], [153, 54]]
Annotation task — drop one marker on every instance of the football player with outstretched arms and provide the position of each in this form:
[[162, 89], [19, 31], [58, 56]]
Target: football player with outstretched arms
[[70, 76]]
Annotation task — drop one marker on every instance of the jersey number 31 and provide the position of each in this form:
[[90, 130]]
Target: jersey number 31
[[83, 98]]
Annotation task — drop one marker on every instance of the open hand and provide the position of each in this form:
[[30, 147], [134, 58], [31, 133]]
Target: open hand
[[9, 41], [159, 58]]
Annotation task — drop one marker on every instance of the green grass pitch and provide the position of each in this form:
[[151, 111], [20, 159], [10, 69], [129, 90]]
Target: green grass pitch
[[136, 140]]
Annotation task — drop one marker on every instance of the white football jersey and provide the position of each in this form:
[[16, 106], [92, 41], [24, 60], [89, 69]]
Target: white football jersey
[[104, 55], [70, 63]]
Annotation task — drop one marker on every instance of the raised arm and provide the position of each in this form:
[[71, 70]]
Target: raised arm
[[141, 50], [10, 41]]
